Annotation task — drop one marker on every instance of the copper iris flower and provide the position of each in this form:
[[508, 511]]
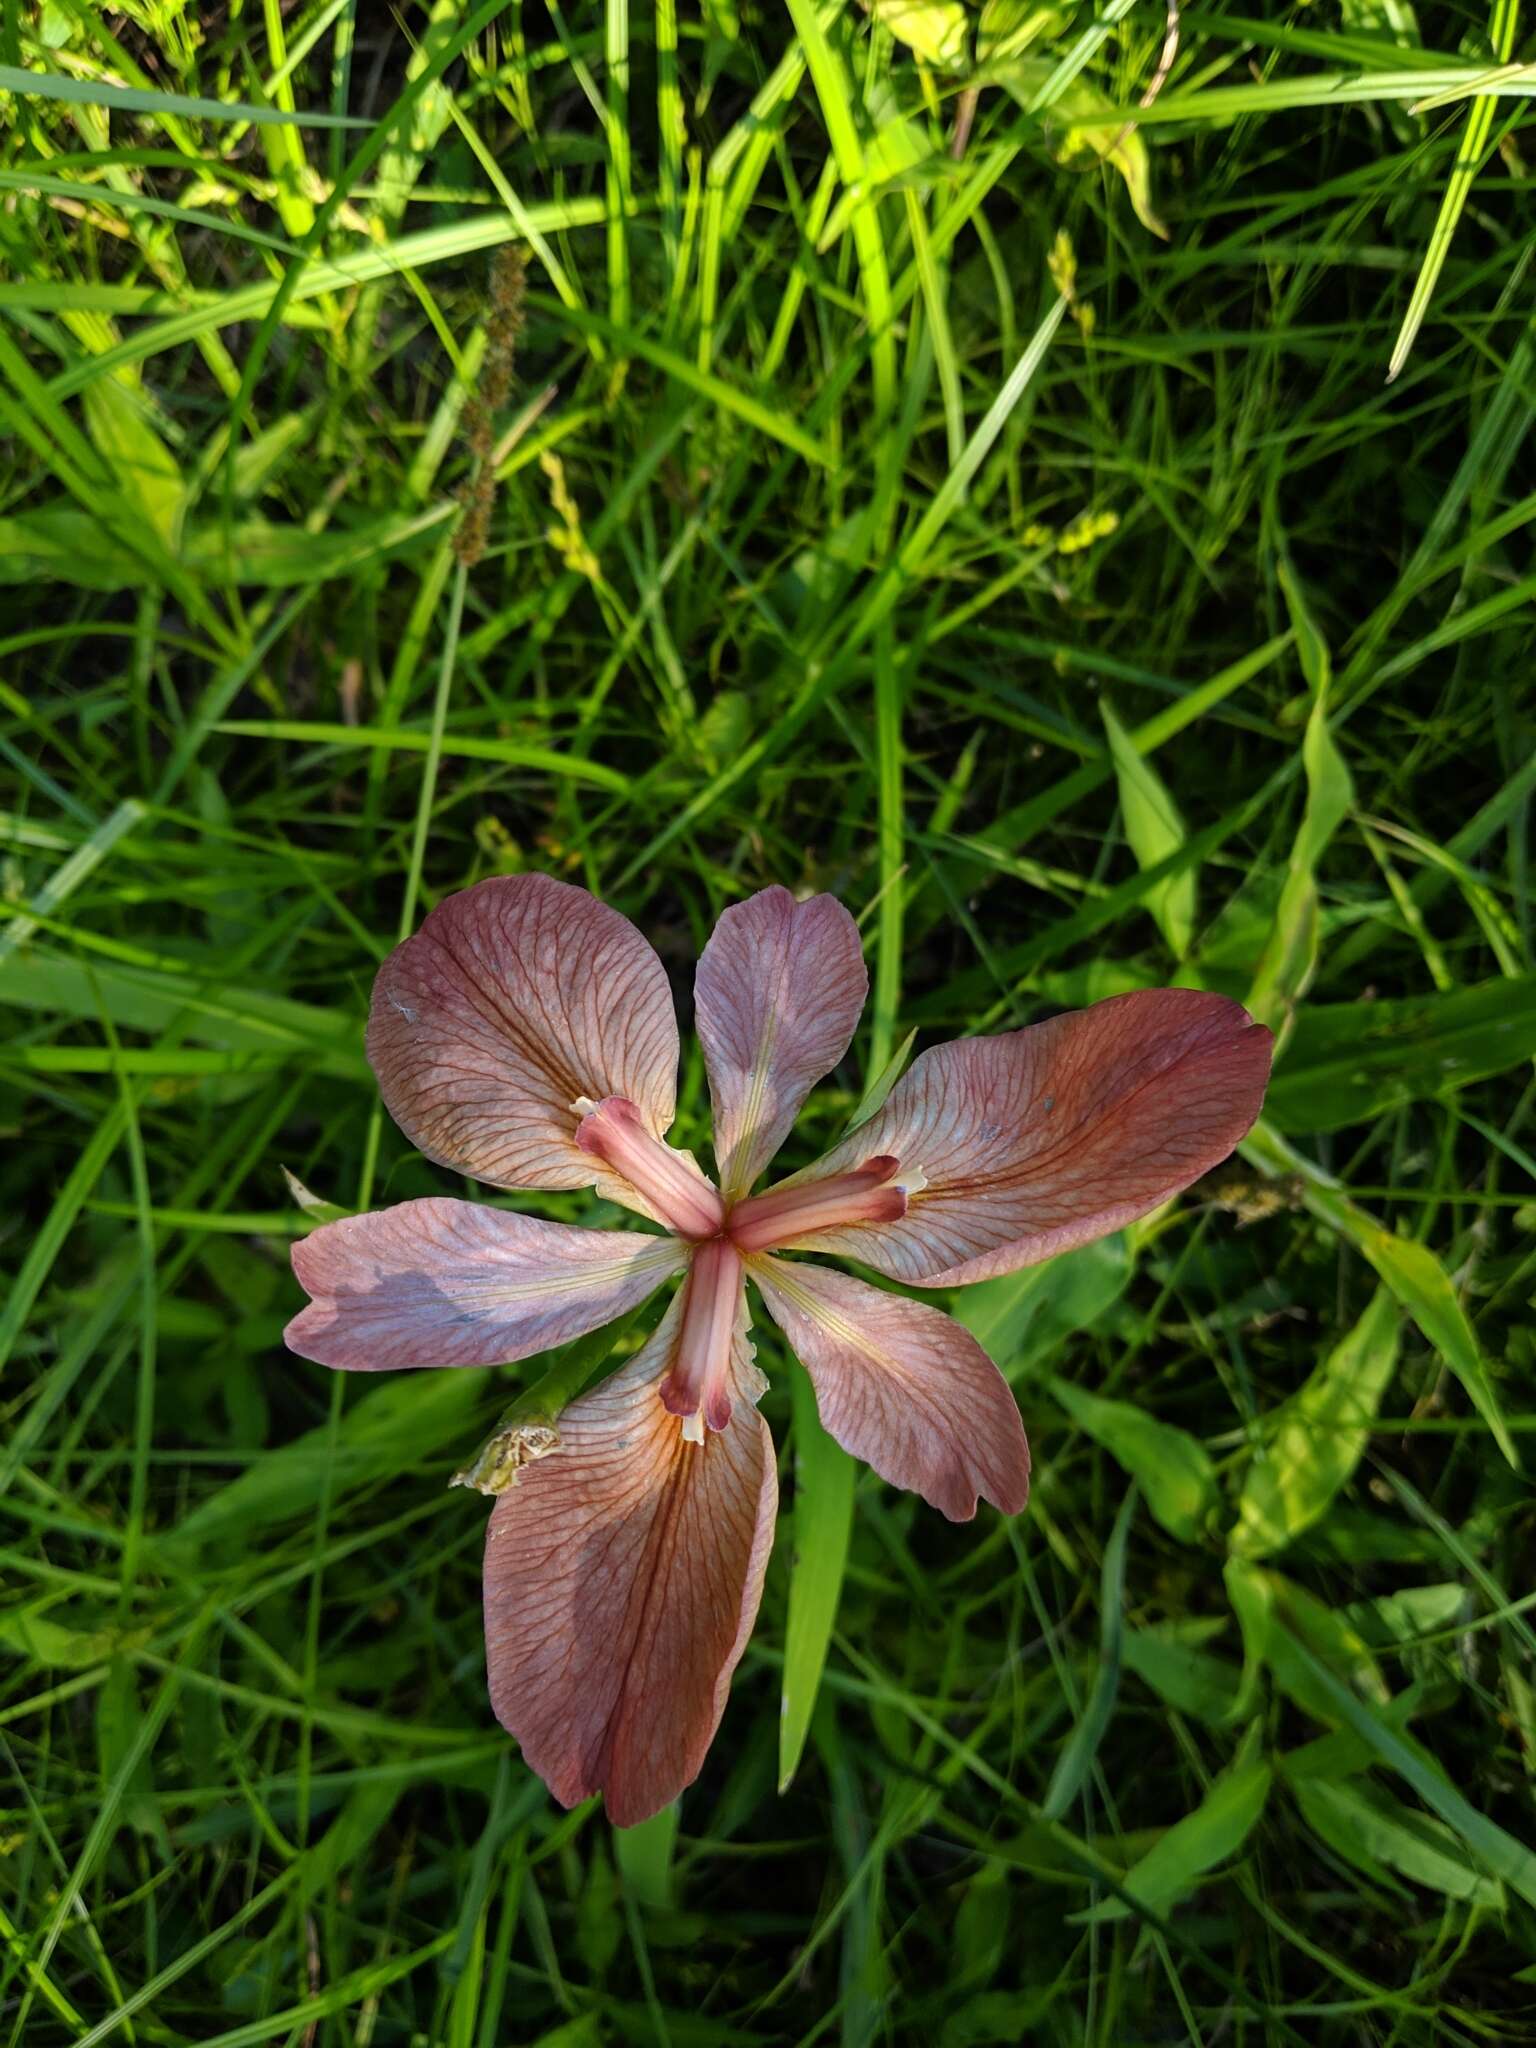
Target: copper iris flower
[[526, 1036]]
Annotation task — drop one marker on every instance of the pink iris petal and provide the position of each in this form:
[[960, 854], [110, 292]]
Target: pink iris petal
[[1018, 1147], [788, 1214], [622, 1578], [515, 998], [903, 1387], [439, 1282], [779, 989], [672, 1186]]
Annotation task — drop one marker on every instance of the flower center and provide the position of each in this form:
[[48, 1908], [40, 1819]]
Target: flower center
[[679, 1196], [783, 1215], [699, 1384]]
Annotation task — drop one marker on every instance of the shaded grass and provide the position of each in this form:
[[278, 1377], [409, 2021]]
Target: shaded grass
[[797, 609]]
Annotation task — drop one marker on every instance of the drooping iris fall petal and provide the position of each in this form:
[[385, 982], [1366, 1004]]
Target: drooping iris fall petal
[[903, 1387], [622, 1578], [779, 990], [1017, 1147], [515, 999], [439, 1282]]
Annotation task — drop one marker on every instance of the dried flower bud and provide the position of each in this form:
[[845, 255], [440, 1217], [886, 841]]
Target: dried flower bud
[[504, 1454]]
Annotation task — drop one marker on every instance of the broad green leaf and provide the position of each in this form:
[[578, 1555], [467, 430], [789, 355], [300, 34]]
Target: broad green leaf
[[1171, 1467], [598, 1926], [61, 543], [1251, 1593], [274, 556], [1216, 1830], [56, 1647], [1330, 791], [1275, 1614], [1289, 959], [1008, 27], [1092, 126], [1349, 1062], [123, 1741], [1155, 831], [1410, 1269], [261, 460], [823, 1516], [999, 2019], [1331, 1636], [1421, 1284], [1023, 1319], [586, 2032], [1414, 1611], [1317, 1439], [1497, 1851], [1341, 1754], [1082, 1745], [143, 469], [934, 30], [1376, 1833], [981, 1926], [1189, 1679], [644, 1856], [1311, 647], [351, 1837]]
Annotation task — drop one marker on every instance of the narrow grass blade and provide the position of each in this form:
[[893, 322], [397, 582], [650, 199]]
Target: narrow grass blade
[[1082, 1745], [66, 878], [402, 739], [129, 99], [1195, 1845], [823, 1518]]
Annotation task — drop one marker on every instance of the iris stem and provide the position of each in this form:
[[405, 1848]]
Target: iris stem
[[530, 1427]]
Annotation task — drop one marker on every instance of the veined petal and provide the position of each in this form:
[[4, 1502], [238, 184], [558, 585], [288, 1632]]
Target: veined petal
[[622, 1578], [516, 998], [903, 1387], [1018, 1147], [439, 1282], [779, 989]]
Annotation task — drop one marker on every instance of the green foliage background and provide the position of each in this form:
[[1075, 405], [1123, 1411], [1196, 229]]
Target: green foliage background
[[1076, 646]]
